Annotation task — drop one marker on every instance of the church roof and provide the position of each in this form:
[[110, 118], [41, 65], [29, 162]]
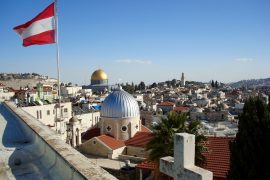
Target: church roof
[[111, 142], [119, 104], [140, 139]]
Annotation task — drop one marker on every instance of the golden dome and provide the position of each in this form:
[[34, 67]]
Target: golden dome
[[99, 75]]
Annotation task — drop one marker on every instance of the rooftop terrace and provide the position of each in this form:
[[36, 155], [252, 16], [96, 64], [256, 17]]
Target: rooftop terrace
[[30, 150]]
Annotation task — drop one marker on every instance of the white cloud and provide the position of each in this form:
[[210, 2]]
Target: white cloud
[[133, 61], [244, 60]]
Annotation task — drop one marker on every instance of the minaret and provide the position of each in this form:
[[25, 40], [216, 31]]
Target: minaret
[[183, 81]]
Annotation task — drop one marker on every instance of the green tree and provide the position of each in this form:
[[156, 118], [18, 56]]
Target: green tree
[[141, 86], [173, 82], [250, 155], [212, 83], [154, 85], [168, 83], [136, 87], [216, 84], [129, 88], [162, 143]]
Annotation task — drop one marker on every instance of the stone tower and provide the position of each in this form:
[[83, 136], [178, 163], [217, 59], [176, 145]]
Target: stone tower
[[74, 132], [183, 81]]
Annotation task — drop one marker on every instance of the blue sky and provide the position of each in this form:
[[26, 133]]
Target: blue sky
[[148, 40]]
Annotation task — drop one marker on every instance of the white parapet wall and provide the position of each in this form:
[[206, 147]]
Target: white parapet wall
[[59, 160]]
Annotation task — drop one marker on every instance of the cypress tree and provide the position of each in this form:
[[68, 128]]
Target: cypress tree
[[250, 151], [212, 83]]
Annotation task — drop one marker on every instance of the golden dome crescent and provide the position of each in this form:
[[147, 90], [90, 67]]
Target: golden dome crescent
[[99, 75]]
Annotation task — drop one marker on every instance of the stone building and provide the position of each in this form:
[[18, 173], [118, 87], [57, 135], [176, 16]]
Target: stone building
[[120, 134]]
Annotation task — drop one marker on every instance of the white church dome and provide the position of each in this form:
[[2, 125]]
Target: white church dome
[[119, 104]]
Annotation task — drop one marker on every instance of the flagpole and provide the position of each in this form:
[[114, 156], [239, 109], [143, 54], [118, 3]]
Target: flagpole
[[57, 54]]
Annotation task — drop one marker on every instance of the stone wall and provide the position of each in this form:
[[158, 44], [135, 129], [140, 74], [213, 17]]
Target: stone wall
[[94, 147], [136, 151]]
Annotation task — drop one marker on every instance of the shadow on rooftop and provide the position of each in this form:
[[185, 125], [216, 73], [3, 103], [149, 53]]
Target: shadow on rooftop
[[19, 145]]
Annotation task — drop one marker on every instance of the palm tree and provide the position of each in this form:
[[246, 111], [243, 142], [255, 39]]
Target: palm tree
[[162, 143]]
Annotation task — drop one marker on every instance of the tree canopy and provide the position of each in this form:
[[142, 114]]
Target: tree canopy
[[142, 86], [250, 155], [163, 144]]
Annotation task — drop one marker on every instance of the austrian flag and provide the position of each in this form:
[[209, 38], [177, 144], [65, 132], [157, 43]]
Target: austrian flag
[[40, 30]]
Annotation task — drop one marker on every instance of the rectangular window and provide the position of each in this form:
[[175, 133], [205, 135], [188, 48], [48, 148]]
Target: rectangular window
[[48, 112], [37, 115], [54, 111], [40, 114], [65, 110]]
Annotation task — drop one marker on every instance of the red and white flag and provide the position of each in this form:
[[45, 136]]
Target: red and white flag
[[40, 30]]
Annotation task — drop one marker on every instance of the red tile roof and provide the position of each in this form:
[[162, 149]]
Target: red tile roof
[[181, 109], [218, 156], [111, 142], [166, 104], [94, 132], [140, 139], [147, 165]]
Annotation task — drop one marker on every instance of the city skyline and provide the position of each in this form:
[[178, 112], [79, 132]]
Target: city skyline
[[144, 41]]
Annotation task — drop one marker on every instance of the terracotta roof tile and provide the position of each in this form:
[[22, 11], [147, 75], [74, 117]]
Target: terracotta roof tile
[[166, 104], [181, 109], [111, 142], [140, 139], [147, 165], [218, 156]]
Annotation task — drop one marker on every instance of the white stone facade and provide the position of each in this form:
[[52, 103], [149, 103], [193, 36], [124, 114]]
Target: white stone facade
[[6, 96], [47, 114], [89, 120], [70, 91]]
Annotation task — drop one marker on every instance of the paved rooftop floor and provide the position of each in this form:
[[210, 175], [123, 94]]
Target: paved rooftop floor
[[108, 163]]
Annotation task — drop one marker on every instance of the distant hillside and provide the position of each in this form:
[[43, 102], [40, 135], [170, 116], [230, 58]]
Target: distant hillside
[[18, 80], [251, 83]]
